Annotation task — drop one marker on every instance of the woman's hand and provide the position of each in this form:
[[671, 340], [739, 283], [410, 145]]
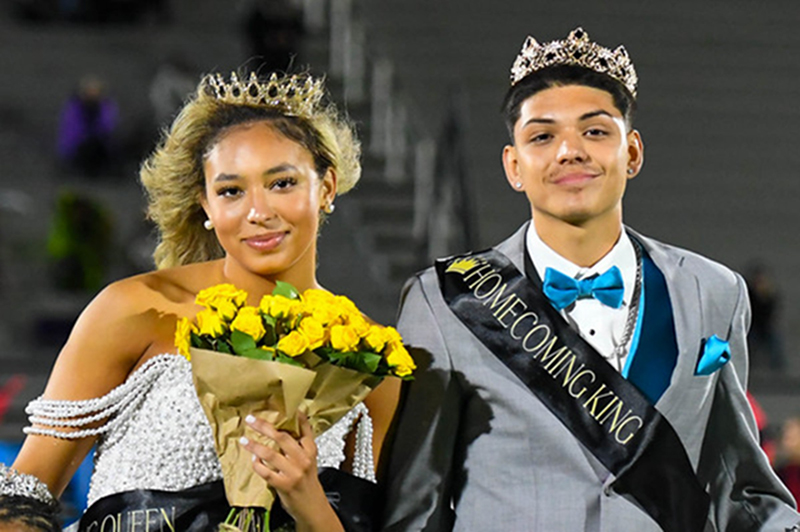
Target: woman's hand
[[292, 470]]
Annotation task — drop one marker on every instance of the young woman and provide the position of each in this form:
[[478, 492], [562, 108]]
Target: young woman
[[238, 187]]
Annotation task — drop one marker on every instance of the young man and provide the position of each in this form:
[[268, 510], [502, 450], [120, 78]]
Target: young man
[[579, 376]]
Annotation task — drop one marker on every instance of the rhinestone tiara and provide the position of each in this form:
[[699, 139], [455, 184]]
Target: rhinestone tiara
[[295, 95], [15, 484], [578, 50]]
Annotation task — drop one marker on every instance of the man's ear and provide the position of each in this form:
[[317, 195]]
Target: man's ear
[[511, 167], [635, 153]]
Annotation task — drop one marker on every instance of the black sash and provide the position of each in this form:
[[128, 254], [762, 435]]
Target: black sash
[[202, 508], [605, 412], [198, 509]]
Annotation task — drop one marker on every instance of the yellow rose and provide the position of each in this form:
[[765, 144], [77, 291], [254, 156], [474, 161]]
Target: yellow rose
[[266, 303], [376, 338], [249, 321], [346, 306], [399, 359], [283, 307], [314, 296], [313, 331], [221, 295], [344, 338], [183, 336], [394, 336], [324, 313], [293, 344], [226, 310], [210, 323], [358, 323]]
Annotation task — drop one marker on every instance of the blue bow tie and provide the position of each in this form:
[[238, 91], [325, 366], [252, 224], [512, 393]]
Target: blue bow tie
[[564, 290]]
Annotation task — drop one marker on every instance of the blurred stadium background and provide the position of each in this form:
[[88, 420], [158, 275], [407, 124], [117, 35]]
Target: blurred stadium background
[[719, 86]]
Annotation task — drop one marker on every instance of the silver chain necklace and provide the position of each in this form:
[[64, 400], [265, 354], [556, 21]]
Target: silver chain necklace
[[620, 349]]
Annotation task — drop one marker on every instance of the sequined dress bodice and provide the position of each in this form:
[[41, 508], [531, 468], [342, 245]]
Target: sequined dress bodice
[[159, 438]]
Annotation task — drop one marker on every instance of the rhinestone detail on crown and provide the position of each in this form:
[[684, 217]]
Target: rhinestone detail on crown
[[296, 95], [15, 484], [578, 50]]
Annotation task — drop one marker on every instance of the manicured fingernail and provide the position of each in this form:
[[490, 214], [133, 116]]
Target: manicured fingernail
[[250, 418], [243, 440]]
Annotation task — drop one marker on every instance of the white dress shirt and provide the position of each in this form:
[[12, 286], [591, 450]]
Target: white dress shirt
[[600, 325]]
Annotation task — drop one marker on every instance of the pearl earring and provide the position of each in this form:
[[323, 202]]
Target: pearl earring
[[209, 225], [518, 184], [630, 171], [329, 208]]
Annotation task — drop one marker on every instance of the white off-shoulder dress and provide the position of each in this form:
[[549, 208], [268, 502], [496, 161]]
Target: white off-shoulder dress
[[156, 436]]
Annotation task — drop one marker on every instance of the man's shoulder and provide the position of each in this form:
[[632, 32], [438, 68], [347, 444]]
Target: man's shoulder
[[426, 281], [686, 261], [512, 247]]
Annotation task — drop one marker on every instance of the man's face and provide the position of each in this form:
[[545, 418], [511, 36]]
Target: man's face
[[572, 155]]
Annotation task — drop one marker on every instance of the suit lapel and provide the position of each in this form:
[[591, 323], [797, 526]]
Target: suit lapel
[[684, 388], [682, 286], [684, 294], [514, 247], [654, 351]]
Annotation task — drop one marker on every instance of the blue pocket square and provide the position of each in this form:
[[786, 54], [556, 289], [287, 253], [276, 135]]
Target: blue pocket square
[[716, 353]]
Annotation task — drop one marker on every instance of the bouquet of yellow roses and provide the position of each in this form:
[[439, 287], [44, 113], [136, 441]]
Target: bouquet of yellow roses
[[313, 352]]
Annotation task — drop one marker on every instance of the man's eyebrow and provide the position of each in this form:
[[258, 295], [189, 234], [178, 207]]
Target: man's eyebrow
[[592, 114], [539, 121], [583, 117]]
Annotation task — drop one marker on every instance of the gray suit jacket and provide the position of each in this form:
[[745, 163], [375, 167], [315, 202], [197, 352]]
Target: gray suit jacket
[[475, 450]]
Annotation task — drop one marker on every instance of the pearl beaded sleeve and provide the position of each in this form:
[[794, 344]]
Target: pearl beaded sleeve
[[155, 435], [122, 401]]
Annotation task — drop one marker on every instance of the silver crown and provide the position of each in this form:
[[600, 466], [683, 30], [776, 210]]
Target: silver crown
[[296, 95], [13, 483], [578, 50]]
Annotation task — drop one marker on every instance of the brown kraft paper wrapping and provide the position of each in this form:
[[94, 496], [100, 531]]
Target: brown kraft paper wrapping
[[231, 387]]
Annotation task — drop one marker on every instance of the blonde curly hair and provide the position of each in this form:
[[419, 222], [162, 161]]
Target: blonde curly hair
[[173, 175]]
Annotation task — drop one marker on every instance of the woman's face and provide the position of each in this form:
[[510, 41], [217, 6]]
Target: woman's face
[[264, 197]]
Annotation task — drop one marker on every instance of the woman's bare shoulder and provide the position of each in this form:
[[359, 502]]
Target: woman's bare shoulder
[[136, 315], [156, 290]]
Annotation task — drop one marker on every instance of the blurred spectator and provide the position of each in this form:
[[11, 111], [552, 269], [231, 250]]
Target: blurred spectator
[[79, 243], [272, 30], [87, 129], [9, 391], [766, 437], [788, 464], [764, 338]]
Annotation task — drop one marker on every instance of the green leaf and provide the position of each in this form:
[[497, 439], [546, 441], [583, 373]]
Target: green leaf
[[285, 359], [337, 357], [242, 342], [270, 336], [195, 340], [366, 362], [259, 354], [285, 290], [222, 346]]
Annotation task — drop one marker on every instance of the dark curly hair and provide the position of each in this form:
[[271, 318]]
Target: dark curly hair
[[31, 515], [560, 76]]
